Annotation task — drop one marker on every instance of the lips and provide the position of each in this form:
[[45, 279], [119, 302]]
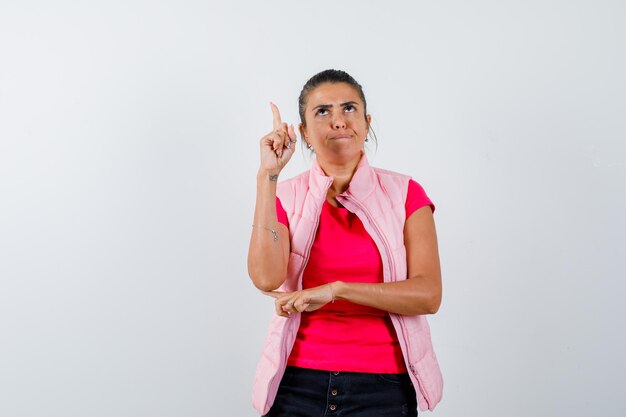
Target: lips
[[343, 136]]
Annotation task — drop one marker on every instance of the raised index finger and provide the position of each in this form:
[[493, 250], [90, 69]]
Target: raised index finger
[[278, 124]]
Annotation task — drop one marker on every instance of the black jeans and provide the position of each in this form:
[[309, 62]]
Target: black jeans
[[311, 393]]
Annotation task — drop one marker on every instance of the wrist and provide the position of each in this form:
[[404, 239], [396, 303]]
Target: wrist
[[337, 290], [268, 175]]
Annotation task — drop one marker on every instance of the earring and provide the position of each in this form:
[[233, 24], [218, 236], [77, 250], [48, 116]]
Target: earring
[[366, 139], [308, 145]]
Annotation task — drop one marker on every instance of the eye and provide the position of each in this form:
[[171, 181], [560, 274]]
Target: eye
[[349, 108], [321, 112]]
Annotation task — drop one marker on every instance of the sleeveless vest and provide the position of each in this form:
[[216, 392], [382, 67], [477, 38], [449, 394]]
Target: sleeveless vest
[[377, 197]]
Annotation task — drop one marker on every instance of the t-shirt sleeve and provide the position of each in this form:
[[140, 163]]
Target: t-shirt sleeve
[[416, 198], [281, 213]]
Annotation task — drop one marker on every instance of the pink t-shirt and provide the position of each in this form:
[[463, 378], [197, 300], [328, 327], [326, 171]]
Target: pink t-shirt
[[344, 336]]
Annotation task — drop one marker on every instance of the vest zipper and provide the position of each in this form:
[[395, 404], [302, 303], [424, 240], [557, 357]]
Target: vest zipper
[[392, 271]]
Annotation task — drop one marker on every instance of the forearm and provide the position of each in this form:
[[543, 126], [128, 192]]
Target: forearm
[[267, 256], [412, 296]]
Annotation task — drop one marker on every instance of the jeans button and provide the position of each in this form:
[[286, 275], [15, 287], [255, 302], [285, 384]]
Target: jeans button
[[334, 392], [332, 407], [335, 373]]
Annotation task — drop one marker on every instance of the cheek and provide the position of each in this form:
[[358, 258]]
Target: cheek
[[314, 132], [358, 122]]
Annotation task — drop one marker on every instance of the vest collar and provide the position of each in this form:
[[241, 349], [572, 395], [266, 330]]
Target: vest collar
[[362, 184]]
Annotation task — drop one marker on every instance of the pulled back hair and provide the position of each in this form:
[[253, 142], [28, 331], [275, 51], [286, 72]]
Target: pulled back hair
[[332, 76]]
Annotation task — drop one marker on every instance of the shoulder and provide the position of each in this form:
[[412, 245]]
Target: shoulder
[[394, 184], [291, 184], [288, 190], [407, 181], [404, 188], [387, 174]]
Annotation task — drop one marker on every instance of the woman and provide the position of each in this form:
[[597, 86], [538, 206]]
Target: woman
[[349, 252]]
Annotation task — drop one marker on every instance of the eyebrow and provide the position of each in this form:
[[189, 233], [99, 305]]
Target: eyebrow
[[326, 106]]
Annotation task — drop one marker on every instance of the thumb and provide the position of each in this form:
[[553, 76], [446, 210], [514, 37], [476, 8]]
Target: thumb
[[291, 132]]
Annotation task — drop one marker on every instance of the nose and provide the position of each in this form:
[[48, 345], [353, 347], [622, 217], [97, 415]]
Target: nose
[[338, 121]]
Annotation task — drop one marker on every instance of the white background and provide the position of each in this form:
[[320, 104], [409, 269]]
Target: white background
[[128, 154]]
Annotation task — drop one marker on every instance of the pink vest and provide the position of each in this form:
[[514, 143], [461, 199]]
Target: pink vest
[[377, 197]]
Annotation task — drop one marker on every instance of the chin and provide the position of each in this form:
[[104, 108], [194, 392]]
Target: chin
[[341, 156]]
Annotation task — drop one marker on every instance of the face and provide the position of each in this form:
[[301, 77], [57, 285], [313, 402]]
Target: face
[[336, 124]]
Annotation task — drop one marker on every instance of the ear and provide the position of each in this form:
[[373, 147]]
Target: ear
[[368, 118], [302, 130]]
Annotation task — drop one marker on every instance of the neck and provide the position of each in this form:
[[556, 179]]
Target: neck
[[341, 174]]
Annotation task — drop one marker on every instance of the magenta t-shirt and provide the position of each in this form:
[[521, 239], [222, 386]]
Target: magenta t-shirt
[[344, 336]]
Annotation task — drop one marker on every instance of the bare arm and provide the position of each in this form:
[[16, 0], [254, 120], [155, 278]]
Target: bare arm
[[419, 294], [268, 254]]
